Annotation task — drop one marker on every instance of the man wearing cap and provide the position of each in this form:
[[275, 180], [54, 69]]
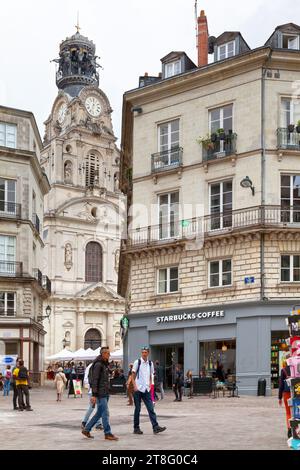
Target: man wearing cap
[[142, 376]]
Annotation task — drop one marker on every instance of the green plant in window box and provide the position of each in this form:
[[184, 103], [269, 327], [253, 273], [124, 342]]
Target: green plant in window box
[[221, 134], [298, 127], [206, 142]]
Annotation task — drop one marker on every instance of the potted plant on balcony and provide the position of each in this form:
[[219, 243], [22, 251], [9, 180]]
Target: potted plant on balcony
[[298, 127], [206, 142], [291, 127], [221, 134]]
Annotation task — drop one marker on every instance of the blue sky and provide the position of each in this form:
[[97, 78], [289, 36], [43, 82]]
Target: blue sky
[[131, 37]]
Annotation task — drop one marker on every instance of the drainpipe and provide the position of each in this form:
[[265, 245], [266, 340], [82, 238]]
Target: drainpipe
[[263, 174]]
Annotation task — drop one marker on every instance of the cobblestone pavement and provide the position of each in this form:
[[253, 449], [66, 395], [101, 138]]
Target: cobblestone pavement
[[199, 423]]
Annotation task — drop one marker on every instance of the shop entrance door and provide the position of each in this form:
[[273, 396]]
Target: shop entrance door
[[173, 355]]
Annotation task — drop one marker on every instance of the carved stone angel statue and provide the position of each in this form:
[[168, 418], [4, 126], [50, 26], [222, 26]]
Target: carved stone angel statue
[[68, 256]]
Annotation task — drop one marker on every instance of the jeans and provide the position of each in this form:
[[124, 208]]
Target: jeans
[[23, 389], [16, 396], [6, 387], [178, 391], [102, 411], [146, 397], [161, 389], [88, 414]]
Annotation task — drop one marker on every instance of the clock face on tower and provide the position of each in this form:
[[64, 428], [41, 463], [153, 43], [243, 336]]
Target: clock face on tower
[[93, 106], [62, 111]]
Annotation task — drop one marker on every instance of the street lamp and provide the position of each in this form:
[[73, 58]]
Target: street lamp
[[247, 183], [48, 313]]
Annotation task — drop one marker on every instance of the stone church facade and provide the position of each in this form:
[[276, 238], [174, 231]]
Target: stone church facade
[[82, 220]]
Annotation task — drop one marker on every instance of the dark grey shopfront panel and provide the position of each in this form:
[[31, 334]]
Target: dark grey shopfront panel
[[253, 346], [136, 339], [166, 337]]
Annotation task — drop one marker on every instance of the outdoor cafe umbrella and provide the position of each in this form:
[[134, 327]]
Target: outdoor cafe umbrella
[[63, 355]]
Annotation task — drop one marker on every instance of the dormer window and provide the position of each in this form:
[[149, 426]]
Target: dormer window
[[226, 50], [290, 41], [172, 68]]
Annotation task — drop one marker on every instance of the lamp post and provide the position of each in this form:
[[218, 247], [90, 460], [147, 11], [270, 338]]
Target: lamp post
[[247, 183], [48, 313]]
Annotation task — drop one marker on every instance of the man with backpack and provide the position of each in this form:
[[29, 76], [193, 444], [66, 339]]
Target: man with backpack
[[22, 382], [99, 381], [143, 372]]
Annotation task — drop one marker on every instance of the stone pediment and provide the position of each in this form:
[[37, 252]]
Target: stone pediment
[[99, 292]]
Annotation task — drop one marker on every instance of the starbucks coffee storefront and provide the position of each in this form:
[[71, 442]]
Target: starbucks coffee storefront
[[238, 335]]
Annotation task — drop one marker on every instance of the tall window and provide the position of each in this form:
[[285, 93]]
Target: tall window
[[167, 280], [220, 205], [7, 196], [226, 50], [92, 168], [8, 135], [290, 198], [290, 268], [7, 254], [173, 68], [220, 273], [93, 262], [168, 215], [8, 304], [290, 111], [220, 118]]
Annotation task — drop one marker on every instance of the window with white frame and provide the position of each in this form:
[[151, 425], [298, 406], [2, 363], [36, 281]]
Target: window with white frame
[[168, 143], [220, 195], [226, 50], [7, 254], [220, 273], [290, 198], [290, 111], [167, 280], [168, 215], [7, 196], [221, 118], [290, 41], [290, 268], [8, 135], [8, 304], [172, 68]]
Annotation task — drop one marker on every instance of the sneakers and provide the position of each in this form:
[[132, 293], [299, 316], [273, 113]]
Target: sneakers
[[99, 427], [29, 409], [87, 434], [137, 431], [111, 437], [159, 429]]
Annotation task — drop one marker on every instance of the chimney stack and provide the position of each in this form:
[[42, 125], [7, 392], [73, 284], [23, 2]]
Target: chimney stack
[[202, 40]]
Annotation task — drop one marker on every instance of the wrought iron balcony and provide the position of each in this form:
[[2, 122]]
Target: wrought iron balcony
[[36, 222], [258, 217], [47, 284], [10, 210], [220, 147], [37, 274], [11, 269], [166, 160], [288, 140]]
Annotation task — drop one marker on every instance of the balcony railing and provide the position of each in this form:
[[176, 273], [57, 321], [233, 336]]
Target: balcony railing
[[36, 222], [37, 274], [288, 140], [11, 269], [166, 160], [221, 147], [214, 224], [10, 210], [8, 313], [47, 284]]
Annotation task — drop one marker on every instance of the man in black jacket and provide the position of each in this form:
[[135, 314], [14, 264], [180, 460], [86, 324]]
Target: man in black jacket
[[100, 395]]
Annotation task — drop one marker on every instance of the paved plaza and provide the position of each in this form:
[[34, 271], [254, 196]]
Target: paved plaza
[[199, 423]]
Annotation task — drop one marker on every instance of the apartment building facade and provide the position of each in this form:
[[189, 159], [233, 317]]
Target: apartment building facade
[[210, 165], [23, 284]]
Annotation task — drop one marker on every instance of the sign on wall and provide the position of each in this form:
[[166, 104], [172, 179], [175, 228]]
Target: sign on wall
[[190, 316]]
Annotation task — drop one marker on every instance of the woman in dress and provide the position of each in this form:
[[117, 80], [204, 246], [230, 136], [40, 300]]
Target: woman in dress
[[60, 382]]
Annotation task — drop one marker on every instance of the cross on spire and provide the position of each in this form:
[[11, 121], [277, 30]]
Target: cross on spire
[[77, 25]]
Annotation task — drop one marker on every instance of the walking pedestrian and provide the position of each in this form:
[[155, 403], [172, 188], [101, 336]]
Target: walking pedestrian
[[159, 378], [7, 379], [284, 393], [15, 390], [189, 383], [92, 406], [67, 372], [178, 383], [142, 372], [130, 386], [60, 382], [80, 372], [22, 382], [99, 381]]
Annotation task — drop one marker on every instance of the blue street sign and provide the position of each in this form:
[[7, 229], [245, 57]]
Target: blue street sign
[[249, 280]]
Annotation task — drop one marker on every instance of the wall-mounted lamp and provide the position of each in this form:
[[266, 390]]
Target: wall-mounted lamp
[[136, 109], [48, 313], [247, 183]]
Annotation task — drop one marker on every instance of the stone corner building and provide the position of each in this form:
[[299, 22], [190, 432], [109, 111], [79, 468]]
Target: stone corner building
[[81, 219], [23, 283], [212, 153]]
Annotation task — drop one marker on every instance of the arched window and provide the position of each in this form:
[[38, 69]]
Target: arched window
[[117, 340], [92, 168], [92, 339], [93, 262]]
